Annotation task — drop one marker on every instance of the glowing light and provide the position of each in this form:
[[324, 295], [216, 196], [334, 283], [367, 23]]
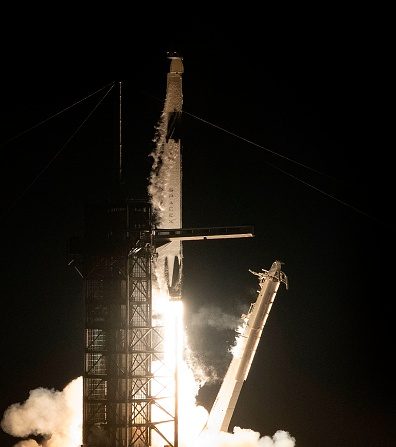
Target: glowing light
[[174, 372]]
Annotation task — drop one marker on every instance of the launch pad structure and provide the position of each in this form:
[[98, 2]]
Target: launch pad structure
[[122, 239]]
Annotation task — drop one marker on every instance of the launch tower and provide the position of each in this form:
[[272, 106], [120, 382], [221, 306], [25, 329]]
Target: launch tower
[[115, 258]]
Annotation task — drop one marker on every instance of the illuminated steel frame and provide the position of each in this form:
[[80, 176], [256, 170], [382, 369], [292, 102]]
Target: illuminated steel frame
[[120, 340]]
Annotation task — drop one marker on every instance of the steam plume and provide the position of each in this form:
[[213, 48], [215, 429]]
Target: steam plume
[[214, 317], [244, 438], [163, 160], [55, 415]]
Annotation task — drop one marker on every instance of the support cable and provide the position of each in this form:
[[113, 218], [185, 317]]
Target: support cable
[[53, 116], [57, 153], [279, 169]]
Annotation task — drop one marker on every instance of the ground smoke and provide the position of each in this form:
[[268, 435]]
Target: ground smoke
[[55, 415], [244, 438]]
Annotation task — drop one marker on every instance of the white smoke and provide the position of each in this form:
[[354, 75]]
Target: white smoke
[[235, 349], [156, 184], [54, 415], [203, 373], [27, 443], [244, 438], [57, 416], [214, 317], [206, 357], [161, 168]]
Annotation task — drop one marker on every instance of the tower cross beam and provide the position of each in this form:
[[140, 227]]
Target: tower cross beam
[[164, 235]]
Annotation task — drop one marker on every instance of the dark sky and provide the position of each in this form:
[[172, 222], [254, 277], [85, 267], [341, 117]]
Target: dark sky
[[322, 371]]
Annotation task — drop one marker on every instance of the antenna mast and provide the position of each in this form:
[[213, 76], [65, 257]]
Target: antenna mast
[[120, 136]]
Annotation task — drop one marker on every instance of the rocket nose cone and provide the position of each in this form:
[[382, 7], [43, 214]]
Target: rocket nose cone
[[176, 65]]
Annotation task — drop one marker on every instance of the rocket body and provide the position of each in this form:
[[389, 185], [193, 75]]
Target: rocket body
[[170, 208]]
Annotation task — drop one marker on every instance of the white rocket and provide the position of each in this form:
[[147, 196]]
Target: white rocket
[[166, 191], [170, 178], [254, 321]]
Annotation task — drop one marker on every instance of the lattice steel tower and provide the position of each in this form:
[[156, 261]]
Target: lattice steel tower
[[120, 341]]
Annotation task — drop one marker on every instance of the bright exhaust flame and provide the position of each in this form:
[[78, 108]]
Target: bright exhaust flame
[[174, 385]]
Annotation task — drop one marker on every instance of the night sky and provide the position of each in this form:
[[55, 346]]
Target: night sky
[[322, 370]]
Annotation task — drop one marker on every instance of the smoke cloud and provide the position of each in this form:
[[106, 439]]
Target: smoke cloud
[[27, 443], [244, 438], [213, 335], [55, 415], [203, 372], [163, 160], [214, 317]]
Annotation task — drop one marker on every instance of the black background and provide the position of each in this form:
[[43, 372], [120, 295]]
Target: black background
[[323, 367]]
